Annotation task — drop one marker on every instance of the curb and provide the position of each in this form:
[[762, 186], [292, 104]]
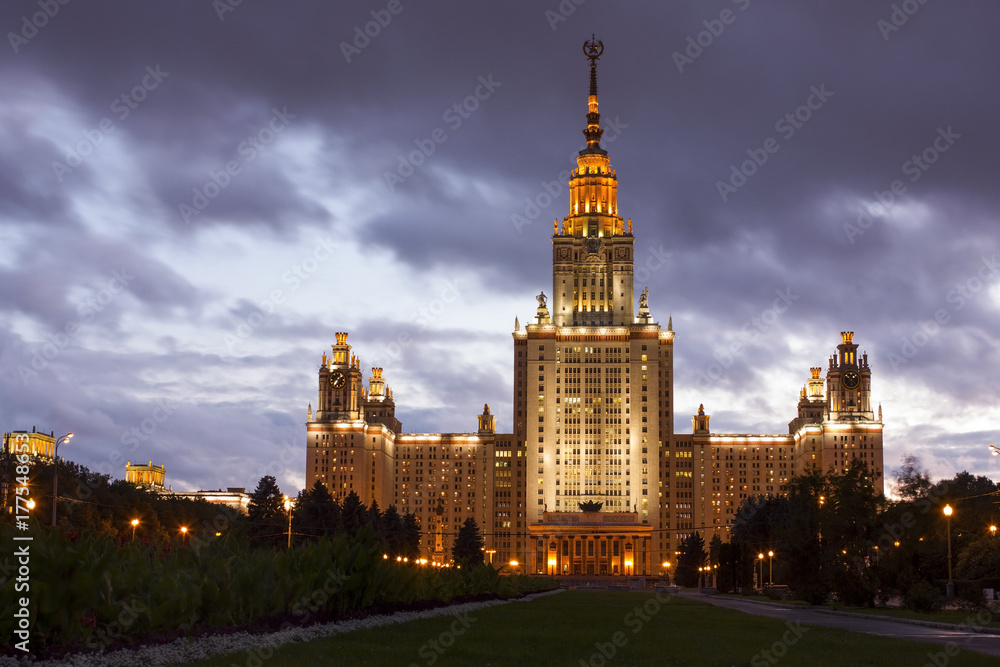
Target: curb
[[914, 621], [880, 617]]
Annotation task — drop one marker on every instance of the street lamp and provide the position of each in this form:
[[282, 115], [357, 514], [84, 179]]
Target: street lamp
[[995, 450], [760, 560], [770, 567], [30, 504], [135, 522], [950, 589], [55, 473], [993, 530], [288, 508], [490, 552], [184, 532]]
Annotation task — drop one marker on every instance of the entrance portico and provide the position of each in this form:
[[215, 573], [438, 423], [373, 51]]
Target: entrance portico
[[591, 543]]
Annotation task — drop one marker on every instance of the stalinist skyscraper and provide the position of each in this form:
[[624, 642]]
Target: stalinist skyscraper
[[590, 372], [593, 480]]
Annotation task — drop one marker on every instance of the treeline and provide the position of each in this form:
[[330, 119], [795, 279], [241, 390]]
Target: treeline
[[92, 502], [315, 513], [832, 535]]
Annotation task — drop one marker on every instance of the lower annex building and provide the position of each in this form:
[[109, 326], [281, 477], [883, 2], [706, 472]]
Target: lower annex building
[[593, 480]]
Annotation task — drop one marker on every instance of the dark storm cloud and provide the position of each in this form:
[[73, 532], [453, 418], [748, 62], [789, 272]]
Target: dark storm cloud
[[814, 211]]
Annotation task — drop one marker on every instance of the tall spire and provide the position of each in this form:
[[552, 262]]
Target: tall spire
[[593, 50]]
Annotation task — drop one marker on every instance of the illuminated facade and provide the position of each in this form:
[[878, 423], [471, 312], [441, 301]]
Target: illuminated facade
[[592, 418], [146, 474], [40, 445]]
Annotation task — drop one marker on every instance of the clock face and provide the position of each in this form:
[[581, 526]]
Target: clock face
[[850, 380], [337, 380]]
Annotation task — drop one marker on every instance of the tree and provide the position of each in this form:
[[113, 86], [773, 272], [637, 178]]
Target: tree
[[266, 511], [691, 558], [469, 545], [353, 514], [911, 480], [715, 550], [411, 535], [801, 563], [316, 512]]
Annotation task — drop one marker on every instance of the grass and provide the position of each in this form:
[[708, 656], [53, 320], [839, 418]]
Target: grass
[[571, 628]]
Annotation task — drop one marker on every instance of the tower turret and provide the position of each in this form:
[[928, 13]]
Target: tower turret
[[593, 252]]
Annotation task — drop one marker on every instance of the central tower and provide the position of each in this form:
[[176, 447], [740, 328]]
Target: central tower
[[592, 387], [592, 252]]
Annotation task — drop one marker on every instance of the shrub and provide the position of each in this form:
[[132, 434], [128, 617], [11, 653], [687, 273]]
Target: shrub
[[923, 596]]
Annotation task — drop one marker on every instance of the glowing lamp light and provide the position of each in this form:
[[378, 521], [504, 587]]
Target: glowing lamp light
[[513, 563], [947, 510], [31, 504]]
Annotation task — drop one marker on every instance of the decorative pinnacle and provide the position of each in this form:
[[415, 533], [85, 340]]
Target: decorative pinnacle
[[593, 50]]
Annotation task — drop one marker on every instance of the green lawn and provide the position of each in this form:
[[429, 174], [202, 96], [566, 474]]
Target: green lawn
[[572, 628]]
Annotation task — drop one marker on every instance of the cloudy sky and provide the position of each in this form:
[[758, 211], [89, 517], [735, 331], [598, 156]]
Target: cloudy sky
[[194, 196]]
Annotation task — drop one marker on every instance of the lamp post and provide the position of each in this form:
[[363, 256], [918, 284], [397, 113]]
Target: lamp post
[[950, 589], [288, 508], [55, 473], [760, 560], [135, 522], [770, 568], [184, 532], [993, 530]]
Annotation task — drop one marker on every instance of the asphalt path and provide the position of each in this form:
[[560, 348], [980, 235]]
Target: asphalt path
[[955, 639]]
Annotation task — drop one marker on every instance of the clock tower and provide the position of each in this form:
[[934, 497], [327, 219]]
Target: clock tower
[[340, 384], [848, 383]]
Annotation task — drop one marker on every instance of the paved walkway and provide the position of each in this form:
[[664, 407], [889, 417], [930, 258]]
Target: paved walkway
[[961, 638]]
